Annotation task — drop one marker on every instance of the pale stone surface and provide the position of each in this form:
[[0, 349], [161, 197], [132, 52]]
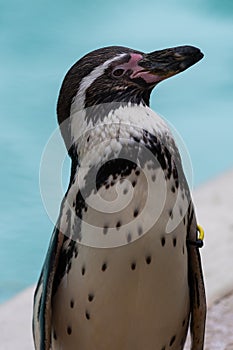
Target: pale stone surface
[[15, 322], [219, 325], [214, 203], [219, 333], [214, 206]]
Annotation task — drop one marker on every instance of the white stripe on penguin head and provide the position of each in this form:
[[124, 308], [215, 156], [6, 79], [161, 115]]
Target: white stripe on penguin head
[[78, 102]]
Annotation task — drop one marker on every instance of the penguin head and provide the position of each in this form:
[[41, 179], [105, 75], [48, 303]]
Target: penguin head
[[119, 74]]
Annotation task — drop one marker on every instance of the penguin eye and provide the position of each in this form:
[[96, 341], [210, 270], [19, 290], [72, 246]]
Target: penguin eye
[[118, 72]]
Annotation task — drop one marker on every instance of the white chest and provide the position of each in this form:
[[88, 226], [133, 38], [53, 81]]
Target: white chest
[[126, 281], [133, 295]]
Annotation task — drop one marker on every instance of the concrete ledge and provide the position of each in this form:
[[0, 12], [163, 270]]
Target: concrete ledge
[[16, 321], [214, 207]]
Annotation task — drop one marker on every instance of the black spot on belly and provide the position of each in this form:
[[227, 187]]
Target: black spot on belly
[[174, 242], [172, 340], [135, 213], [133, 266], [137, 172], [173, 189], [83, 270], [153, 177], [181, 211], [105, 229], [87, 314], [140, 230], [148, 259], [129, 237], [125, 191], [134, 183], [72, 303], [118, 225], [163, 241], [54, 335], [69, 330], [171, 214], [75, 252], [90, 297], [104, 267]]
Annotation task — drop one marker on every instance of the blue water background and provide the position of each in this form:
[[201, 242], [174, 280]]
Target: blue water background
[[39, 42]]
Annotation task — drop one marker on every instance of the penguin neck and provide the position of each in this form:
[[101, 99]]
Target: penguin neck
[[101, 138], [96, 126]]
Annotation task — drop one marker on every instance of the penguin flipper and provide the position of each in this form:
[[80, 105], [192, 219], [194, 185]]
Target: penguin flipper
[[196, 286], [43, 294]]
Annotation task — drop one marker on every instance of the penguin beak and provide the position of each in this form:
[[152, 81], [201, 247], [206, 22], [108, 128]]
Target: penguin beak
[[163, 64]]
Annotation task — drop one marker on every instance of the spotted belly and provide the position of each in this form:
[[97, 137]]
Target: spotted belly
[[125, 286]]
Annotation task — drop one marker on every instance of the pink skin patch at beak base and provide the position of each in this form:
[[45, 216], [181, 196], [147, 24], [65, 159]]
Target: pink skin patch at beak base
[[139, 72]]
